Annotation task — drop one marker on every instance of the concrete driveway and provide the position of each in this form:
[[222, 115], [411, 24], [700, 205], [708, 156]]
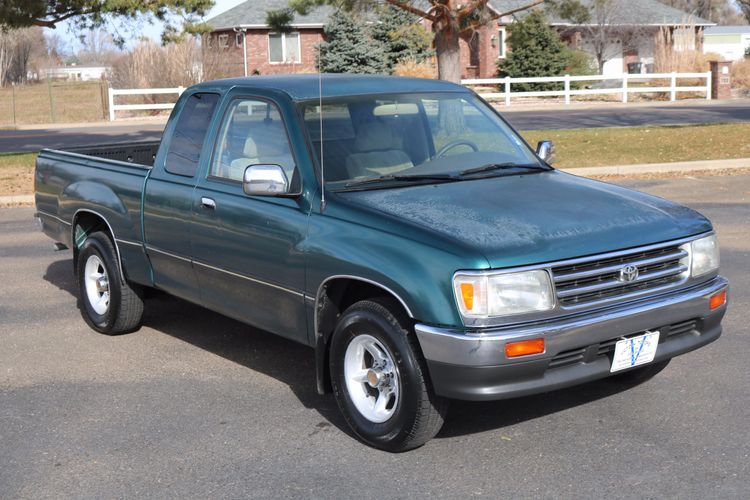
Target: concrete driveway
[[195, 405]]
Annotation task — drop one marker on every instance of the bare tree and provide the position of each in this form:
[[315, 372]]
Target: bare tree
[[98, 49], [605, 35], [6, 55], [745, 7], [718, 11], [27, 45], [17, 49], [152, 65]]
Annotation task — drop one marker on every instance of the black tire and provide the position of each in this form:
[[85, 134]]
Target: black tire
[[641, 374], [418, 414], [125, 308]]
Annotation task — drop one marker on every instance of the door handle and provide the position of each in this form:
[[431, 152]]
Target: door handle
[[208, 203]]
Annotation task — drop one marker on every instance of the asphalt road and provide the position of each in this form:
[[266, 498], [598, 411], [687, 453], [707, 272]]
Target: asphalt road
[[195, 405], [616, 115], [12, 141]]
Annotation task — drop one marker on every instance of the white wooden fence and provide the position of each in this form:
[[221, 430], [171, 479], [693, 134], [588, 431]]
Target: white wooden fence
[[140, 107], [625, 88]]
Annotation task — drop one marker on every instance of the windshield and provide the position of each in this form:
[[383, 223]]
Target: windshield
[[413, 137]]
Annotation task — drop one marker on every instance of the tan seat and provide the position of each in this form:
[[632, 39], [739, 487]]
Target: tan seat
[[238, 165], [379, 152]]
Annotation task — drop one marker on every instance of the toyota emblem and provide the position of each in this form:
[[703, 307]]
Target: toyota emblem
[[628, 274]]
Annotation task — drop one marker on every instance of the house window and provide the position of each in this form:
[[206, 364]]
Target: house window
[[284, 48], [238, 39], [223, 41], [501, 43]]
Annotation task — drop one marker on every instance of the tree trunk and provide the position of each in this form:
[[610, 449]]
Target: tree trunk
[[448, 55]]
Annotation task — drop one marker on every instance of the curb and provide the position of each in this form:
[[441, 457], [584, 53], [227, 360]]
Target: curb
[[658, 168], [21, 199], [123, 122]]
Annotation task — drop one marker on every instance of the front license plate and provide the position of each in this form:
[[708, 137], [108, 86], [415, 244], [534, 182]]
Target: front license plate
[[635, 351]]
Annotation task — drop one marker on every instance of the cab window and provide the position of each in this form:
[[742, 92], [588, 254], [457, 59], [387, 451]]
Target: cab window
[[186, 146], [252, 133]]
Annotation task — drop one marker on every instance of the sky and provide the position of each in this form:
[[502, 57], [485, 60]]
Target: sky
[[150, 30]]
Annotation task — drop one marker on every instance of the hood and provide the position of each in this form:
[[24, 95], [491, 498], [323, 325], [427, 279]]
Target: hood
[[540, 217]]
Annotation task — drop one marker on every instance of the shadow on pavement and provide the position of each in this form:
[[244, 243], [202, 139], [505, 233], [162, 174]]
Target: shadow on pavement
[[293, 363]]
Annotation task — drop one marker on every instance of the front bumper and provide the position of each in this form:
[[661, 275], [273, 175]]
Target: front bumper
[[472, 365]]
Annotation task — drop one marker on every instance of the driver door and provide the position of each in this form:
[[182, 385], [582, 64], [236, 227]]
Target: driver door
[[246, 249]]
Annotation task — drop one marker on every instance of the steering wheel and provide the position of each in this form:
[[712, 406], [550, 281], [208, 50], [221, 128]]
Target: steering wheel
[[454, 144]]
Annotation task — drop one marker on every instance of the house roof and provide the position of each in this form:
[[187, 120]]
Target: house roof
[[727, 30], [630, 12], [303, 87], [252, 13]]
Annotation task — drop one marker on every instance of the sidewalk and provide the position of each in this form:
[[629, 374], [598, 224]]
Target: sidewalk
[[156, 120], [661, 168], [541, 105], [623, 170]]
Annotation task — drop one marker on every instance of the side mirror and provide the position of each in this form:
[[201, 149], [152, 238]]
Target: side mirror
[[545, 150], [265, 180]]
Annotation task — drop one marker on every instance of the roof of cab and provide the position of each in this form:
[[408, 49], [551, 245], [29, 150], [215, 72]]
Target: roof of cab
[[306, 86]]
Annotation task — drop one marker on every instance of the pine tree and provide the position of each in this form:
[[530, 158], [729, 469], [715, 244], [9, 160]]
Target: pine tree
[[349, 48], [536, 50], [402, 36]]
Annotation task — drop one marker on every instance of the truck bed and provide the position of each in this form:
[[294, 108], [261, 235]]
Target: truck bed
[[139, 153], [106, 181]]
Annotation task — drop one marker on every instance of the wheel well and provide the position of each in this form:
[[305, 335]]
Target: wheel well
[[334, 298], [84, 224]]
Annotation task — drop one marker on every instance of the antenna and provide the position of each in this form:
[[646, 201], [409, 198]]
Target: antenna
[[320, 124]]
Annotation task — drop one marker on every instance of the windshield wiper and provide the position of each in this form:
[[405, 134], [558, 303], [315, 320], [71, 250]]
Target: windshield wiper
[[402, 178], [500, 166]]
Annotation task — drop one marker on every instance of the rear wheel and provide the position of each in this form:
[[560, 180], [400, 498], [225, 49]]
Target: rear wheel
[[380, 379], [108, 304]]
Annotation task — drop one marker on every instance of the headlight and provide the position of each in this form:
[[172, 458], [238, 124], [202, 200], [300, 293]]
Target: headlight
[[490, 295], [704, 255]]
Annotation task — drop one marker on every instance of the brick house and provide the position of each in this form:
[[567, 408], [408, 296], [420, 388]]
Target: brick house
[[243, 44], [243, 30]]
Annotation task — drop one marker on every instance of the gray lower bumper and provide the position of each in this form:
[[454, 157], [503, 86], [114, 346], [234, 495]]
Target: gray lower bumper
[[473, 365]]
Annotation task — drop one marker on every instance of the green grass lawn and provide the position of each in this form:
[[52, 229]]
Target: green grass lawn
[[632, 145]]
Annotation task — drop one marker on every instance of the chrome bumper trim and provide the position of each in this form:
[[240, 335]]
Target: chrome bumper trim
[[487, 348]]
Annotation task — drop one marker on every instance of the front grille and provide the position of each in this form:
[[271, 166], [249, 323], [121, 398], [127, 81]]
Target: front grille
[[589, 282], [590, 353]]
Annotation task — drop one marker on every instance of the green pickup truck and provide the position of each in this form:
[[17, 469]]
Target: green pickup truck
[[402, 229]]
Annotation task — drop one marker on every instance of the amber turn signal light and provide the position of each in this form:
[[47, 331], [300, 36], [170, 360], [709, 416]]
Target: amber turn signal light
[[718, 300], [467, 294], [524, 348]]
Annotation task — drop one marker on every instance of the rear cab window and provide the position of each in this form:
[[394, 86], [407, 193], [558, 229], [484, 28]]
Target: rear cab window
[[186, 146]]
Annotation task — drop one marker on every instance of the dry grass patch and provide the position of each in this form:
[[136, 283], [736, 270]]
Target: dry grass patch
[[634, 145], [17, 174], [71, 102]]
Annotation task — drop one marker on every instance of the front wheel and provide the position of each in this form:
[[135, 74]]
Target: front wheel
[[108, 304], [380, 378]]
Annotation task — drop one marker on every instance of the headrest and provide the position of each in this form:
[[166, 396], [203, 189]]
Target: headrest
[[251, 149], [375, 136]]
